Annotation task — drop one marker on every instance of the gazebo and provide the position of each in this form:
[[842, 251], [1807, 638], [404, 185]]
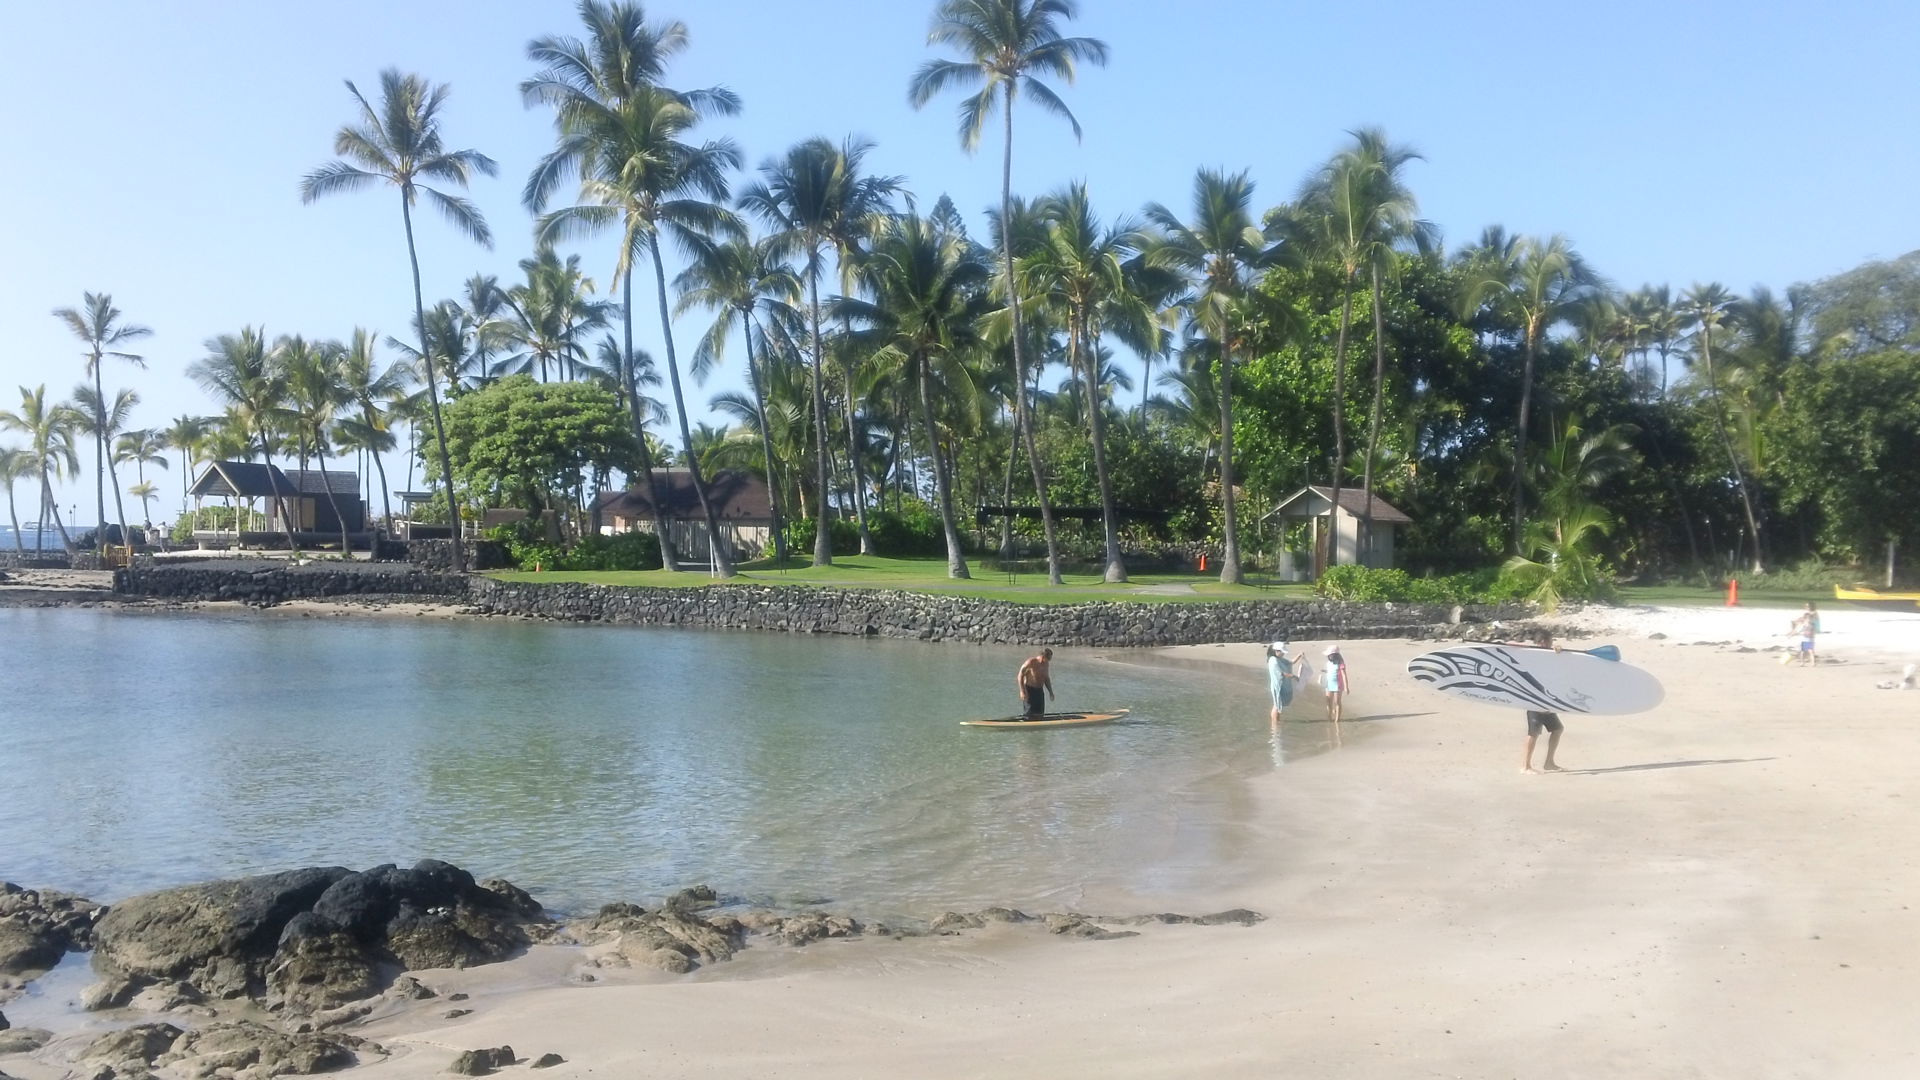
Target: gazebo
[[1335, 530], [298, 502]]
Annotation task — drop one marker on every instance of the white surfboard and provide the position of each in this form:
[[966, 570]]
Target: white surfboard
[[1516, 677]]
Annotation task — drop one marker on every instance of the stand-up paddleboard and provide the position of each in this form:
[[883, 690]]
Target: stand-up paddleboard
[[1515, 677], [1052, 719]]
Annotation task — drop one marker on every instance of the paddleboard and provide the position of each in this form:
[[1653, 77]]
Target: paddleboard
[[1514, 677], [1052, 719]]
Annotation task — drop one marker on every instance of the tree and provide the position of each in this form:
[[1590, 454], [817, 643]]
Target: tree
[[49, 431], [142, 448], [928, 296], [401, 145], [187, 434], [315, 395], [628, 147], [530, 443], [1220, 248], [1707, 308], [1007, 45], [146, 493], [1541, 284], [369, 395], [239, 371], [551, 311], [1850, 437], [105, 420], [738, 279], [1359, 208], [15, 465], [98, 323], [1083, 267]]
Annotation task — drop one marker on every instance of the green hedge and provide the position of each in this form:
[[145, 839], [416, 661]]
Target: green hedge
[[846, 536], [1397, 586], [622, 551]]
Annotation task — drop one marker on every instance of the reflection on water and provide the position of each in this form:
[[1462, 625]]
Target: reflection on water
[[590, 764]]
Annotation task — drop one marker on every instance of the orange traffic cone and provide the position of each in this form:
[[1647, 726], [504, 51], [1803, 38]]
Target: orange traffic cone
[[1733, 592], [1203, 564]]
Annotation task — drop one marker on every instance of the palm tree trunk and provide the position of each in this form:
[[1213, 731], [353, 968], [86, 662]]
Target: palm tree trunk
[[1022, 415], [716, 544], [279, 503], [119, 505], [823, 532], [1339, 422], [1733, 458], [386, 500], [46, 494], [858, 470], [346, 547], [433, 389], [1230, 573], [943, 486], [100, 459], [1520, 440], [766, 442], [1373, 426], [631, 377], [1006, 489], [19, 544], [1090, 365]]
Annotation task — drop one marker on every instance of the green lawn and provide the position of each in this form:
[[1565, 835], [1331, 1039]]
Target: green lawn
[[930, 576], [1698, 596]]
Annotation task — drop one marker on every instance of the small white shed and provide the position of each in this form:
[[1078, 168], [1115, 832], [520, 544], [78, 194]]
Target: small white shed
[[1313, 504]]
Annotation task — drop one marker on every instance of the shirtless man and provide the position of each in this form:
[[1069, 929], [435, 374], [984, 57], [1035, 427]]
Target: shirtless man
[[1035, 683], [1539, 721]]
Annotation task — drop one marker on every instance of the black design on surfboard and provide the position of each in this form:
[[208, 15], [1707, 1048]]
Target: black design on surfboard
[[1478, 670]]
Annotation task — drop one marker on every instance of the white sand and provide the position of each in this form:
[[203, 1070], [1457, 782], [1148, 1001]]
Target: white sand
[[1718, 888]]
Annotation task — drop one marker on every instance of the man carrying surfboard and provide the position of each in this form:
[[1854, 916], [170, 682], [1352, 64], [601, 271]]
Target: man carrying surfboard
[[1035, 683], [1536, 720]]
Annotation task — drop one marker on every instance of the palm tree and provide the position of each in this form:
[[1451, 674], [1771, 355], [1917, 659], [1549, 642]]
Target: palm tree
[[1221, 248], [49, 431], [1007, 44], [368, 392], [1662, 327], [550, 311], [736, 280], [1356, 209], [637, 171], [98, 323], [105, 420], [928, 289], [316, 393], [401, 144], [15, 466], [186, 434], [240, 371], [621, 132], [142, 448], [1083, 266], [1707, 308], [807, 197], [1541, 284]]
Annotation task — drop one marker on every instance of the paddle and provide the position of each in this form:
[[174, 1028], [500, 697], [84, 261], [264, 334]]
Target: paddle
[[1605, 652]]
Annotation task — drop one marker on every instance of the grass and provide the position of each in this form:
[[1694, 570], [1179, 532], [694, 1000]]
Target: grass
[[930, 576]]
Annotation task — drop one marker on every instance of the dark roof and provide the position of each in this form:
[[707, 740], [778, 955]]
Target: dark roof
[[735, 495], [315, 482], [1352, 500], [244, 480]]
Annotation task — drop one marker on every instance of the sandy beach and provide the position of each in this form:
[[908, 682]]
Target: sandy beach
[[1721, 887]]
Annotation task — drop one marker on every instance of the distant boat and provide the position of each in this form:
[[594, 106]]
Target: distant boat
[[1865, 597]]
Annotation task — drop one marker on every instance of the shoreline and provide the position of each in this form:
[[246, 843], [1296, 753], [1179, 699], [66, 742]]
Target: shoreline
[[1707, 891]]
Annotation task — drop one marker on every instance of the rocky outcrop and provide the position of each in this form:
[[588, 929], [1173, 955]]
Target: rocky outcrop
[[246, 1049], [308, 939], [482, 1062], [38, 927], [878, 613]]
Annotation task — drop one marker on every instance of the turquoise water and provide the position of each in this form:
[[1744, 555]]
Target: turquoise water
[[591, 764]]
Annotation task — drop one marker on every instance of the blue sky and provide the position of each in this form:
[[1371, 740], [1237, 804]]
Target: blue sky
[[155, 150]]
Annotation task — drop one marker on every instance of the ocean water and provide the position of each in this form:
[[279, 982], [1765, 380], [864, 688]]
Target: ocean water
[[590, 764]]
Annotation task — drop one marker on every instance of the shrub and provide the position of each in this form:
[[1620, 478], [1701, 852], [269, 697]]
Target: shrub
[[913, 530], [1488, 586], [846, 536], [621, 551]]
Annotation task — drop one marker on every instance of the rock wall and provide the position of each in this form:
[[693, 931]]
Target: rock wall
[[275, 582], [438, 554], [861, 613]]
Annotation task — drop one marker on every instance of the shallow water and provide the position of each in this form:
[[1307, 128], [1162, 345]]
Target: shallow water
[[591, 764]]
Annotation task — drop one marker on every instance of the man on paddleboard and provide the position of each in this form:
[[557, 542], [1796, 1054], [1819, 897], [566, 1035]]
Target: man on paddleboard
[[1035, 683]]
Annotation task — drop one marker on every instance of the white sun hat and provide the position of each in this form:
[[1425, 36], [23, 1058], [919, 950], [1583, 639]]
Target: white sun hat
[[1331, 649], [1279, 646]]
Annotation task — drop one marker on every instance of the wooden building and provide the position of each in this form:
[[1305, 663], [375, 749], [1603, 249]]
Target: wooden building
[[1333, 539], [279, 502], [741, 503]]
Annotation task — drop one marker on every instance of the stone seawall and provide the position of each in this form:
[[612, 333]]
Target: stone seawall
[[276, 583], [863, 613]]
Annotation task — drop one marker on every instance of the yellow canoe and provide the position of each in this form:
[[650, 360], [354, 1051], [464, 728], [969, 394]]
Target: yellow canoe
[[1865, 597]]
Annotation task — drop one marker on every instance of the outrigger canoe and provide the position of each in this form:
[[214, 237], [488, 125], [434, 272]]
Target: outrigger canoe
[[1052, 719], [1865, 597]]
